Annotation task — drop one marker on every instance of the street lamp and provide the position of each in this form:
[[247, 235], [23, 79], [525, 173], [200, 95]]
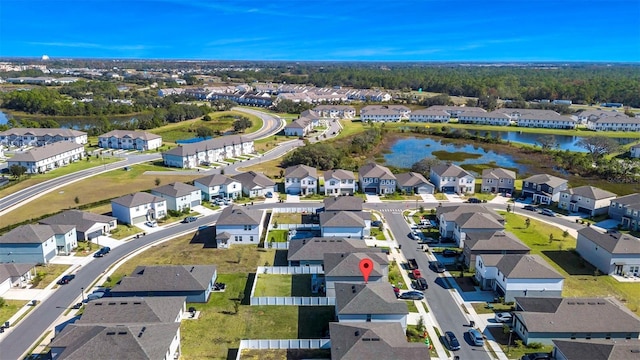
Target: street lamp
[[82, 293], [509, 343]]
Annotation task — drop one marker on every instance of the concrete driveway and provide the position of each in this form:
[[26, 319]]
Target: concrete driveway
[[373, 198]]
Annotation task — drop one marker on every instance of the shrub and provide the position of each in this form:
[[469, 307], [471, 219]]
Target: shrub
[[174, 213], [535, 345]]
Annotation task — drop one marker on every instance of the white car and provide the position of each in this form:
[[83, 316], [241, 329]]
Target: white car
[[95, 296], [503, 317], [151, 224]]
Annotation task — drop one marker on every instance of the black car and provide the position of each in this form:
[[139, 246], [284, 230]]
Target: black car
[[450, 253], [437, 266], [189, 219], [530, 208], [474, 200], [420, 284], [452, 341], [536, 356], [102, 252], [376, 223], [66, 279]]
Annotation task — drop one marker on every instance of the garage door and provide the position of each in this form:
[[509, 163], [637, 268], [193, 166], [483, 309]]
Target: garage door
[[139, 219], [448, 189], [195, 203], [424, 190], [370, 190], [93, 235]]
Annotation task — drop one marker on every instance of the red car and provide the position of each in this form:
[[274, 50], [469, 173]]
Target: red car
[[416, 274]]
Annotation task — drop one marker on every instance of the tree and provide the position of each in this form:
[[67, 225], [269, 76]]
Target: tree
[[565, 234], [471, 102], [204, 132], [547, 142], [207, 118], [527, 223], [550, 238], [17, 170], [241, 124], [424, 166], [157, 181], [76, 200], [598, 145]]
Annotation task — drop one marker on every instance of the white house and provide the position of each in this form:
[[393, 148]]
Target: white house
[[15, 275], [255, 184], [518, 275], [543, 188], [207, 151], [496, 117], [299, 127], [384, 113], [129, 139], [609, 121], [138, 207], [428, 115], [372, 302], [238, 225], [452, 179], [218, 186], [339, 182], [88, 225], [41, 136], [336, 111], [613, 253], [36, 243], [498, 180], [586, 199], [179, 196], [344, 268], [450, 216], [635, 151], [346, 224], [541, 119], [48, 157], [300, 180]]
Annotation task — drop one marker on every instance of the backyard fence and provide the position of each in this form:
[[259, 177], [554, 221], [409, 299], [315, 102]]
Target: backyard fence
[[296, 227], [302, 209], [292, 301], [290, 270], [277, 245], [283, 344]]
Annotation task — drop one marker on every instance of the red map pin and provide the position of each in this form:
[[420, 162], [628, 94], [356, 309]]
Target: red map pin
[[366, 266]]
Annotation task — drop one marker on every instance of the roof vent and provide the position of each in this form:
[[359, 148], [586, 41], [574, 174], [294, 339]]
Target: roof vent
[[580, 302], [111, 333], [570, 303], [122, 333], [137, 303]]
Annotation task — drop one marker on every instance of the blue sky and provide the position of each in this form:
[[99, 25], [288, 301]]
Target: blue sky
[[316, 30]]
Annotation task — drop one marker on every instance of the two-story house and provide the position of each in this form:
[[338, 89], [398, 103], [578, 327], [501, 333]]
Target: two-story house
[[179, 196], [339, 182], [138, 207], [428, 115], [543, 188], [344, 268], [626, 209], [448, 215], [129, 139], [498, 180], [490, 242], [452, 179], [218, 186], [238, 225], [37, 243], [586, 199], [300, 180], [612, 253], [376, 179]]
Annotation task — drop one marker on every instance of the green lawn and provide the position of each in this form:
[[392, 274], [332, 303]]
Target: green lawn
[[286, 218], [313, 197], [284, 285], [122, 231], [46, 274], [10, 308], [222, 122], [377, 233], [86, 248], [278, 236], [395, 277]]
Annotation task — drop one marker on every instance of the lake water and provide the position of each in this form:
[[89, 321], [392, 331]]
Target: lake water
[[3, 118], [565, 142]]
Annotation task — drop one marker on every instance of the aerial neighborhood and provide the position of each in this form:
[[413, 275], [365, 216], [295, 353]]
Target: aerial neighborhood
[[262, 218]]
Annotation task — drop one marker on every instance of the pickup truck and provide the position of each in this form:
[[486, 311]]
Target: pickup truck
[[412, 264]]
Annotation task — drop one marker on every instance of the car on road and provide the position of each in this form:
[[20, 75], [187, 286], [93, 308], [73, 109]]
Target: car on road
[[151, 224], [530, 208], [536, 356], [503, 317], [547, 212], [452, 341], [416, 274], [476, 337], [66, 279], [437, 266], [95, 295], [450, 253], [102, 252], [269, 194], [420, 284], [411, 295], [189, 219], [474, 200], [77, 306]]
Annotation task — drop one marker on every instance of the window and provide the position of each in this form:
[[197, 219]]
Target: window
[[247, 227], [237, 238], [251, 238]]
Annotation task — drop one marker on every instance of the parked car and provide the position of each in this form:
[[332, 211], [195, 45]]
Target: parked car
[[102, 252], [416, 274], [420, 284], [474, 200], [548, 212], [452, 341], [151, 223], [376, 223], [66, 279], [269, 194], [415, 235], [227, 201], [189, 219], [450, 253], [536, 356], [530, 208], [503, 317], [476, 337], [437, 266], [412, 295], [77, 306], [219, 202], [95, 295]]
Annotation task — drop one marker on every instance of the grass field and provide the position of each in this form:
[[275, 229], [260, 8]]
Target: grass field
[[221, 122], [10, 308], [277, 235], [286, 218], [283, 285], [48, 273]]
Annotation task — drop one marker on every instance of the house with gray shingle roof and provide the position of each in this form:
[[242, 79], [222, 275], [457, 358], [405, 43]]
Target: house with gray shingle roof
[[344, 268], [586, 199], [129, 139], [37, 243], [218, 186], [15, 275], [179, 196], [372, 302], [474, 222], [518, 275], [239, 225], [612, 253], [133, 310], [41, 136], [596, 349], [413, 183], [543, 188], [452, 179], [48, 157], [88, 225], [498, 180], [490, 242], [195, 282], [140, 341], [448, 214], [384, 113], [429, 115], [255, 184], [369, 340], [299, 127], [545, 319], [496, 118], [626, 209], [311, 251], [207, 151], [345, 224], [541, 119], [300, 180], [343, 203], [138, 207], [339, 182], [376, 179]]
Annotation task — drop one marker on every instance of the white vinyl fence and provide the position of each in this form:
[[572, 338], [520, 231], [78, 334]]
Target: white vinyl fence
[[283, 344], [292, 301]]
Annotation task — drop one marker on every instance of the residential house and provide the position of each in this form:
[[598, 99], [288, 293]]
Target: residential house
[[384, 113], [496, 117], [413, 183], [141, 341], [138, 207], [596, 349], [344, 268], [238, 225], [611, 121], [37, 243], [626, 209], [133, 310], [635, 151], [299, 127], [456, 111], [41, 136], [428, 115], [498, 180], [518, 275], [488, 242], [336, 111], [245, 98], [452, 179], [339, 182], [369, 302], [343, 203], [612, 253], [543, 188], [48, 157], [255, 184], [218, 186], [129, 140], [449, 216], [15, 275], [541, 119], [300, 180], [179, 196], [308, 252], [376, 179], [543, 320], [88, 225], [586, 199], [474, 222], [373, 340], [195, 282], [207, 151], [346, 224]]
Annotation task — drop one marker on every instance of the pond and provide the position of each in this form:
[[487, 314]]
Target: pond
[[565, 142], [3, 118]]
